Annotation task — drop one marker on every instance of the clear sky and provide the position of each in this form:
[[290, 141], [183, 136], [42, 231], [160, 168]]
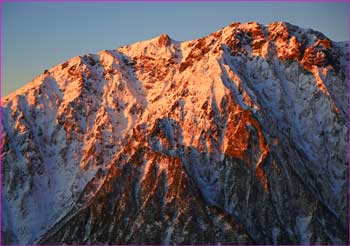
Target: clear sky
[[37, 36]]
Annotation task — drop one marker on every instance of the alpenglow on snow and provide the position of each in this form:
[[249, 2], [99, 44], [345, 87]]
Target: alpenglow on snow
[[239, 137]]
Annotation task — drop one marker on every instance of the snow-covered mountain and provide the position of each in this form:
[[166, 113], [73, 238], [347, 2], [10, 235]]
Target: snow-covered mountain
[[237, 137]]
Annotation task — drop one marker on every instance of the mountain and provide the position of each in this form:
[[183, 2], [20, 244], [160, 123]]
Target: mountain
[[239, 137]]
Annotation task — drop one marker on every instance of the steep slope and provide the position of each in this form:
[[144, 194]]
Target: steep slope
[[237, 137]]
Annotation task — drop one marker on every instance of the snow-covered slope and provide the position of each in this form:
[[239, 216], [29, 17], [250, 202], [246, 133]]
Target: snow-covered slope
[[236, 137]]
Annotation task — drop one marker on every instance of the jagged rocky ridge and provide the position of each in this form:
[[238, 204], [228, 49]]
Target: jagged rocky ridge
[[236, 137]]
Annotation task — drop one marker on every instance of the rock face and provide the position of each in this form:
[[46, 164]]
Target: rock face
[[239, 137]]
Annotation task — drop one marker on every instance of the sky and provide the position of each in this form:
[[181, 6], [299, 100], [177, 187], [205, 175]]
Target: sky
[[37, 36]]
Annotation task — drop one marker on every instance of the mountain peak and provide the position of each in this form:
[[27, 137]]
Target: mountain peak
[[164, 40], [195, 130]]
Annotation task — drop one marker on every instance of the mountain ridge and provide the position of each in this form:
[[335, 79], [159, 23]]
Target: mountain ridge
[[235, 122]]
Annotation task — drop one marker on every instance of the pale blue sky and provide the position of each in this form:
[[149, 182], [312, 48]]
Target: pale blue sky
[[37, 36]]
